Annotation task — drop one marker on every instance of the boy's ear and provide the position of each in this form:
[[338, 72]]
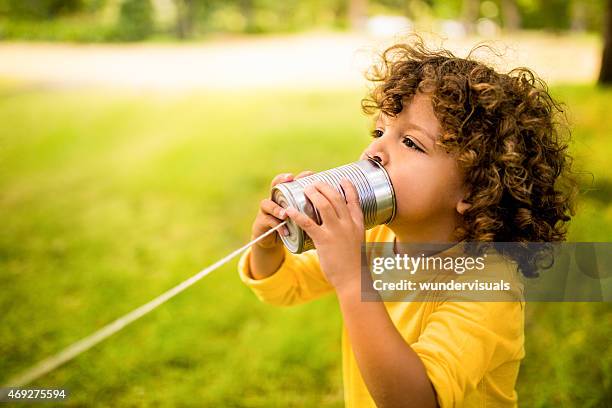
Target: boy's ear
[[462, 206]]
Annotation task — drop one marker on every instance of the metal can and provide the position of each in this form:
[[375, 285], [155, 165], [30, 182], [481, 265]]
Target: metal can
[[376, 197]]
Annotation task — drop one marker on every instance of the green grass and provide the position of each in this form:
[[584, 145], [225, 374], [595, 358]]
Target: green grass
[[106, 200], [67, 29]]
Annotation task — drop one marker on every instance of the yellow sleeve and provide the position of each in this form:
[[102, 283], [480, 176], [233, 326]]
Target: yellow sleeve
[[298, 280], [463, 340]]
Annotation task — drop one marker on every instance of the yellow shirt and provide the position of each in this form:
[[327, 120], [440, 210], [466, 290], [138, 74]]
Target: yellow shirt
[[471, 350]]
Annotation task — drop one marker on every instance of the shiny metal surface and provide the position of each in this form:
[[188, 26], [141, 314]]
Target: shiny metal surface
[[376, 197]]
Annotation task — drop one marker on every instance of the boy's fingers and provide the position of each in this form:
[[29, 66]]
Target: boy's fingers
[[270, 207], [281, 178], [304, 222], [268, 222], [284, 177], [304, 174], [352, 200], [322, 204], [334, 197]]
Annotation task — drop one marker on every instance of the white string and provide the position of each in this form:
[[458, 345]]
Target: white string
[[86, 343]]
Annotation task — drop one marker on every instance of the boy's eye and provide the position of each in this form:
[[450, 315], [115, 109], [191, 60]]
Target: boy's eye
[[408, 142], [376, 133]]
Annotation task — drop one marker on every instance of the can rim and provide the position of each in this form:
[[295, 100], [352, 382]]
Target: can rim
[[293, 247], [373, 160]]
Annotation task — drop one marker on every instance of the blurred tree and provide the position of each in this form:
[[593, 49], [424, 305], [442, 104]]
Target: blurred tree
[[578, 11], [469, 14], [339, 9], [400, 6], [593, 14], [605, 74], [549, 14], [190, 18], [135, 20], [193, 16], [450, 9], [357, 13], [185, 17], [40, 9], [510, 15], [247, 9]]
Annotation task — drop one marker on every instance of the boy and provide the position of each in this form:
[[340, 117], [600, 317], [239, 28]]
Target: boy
[[473, 155]]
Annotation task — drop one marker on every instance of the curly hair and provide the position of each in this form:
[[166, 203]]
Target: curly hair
[[507, 133]]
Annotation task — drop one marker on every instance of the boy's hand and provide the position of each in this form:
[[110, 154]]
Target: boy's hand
[[270, 215], [339, 237]]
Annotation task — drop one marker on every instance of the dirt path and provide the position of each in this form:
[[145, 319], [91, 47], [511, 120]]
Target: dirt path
[[301, 61]]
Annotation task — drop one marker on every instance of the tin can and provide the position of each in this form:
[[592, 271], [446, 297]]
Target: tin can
[[376, 197]]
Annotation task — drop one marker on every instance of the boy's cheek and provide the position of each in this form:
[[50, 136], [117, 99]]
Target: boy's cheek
[[420, 202]]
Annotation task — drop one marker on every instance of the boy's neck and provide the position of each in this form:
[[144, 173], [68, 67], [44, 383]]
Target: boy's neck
[[424, 234]]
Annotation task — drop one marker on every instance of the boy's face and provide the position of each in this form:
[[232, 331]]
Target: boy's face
[[426, 179]]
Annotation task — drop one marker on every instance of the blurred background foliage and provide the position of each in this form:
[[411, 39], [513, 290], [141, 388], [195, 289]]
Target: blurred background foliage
[[132, 20]]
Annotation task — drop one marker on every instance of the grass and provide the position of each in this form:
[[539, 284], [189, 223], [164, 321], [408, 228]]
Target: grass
[[69, 29], [106, 200]]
